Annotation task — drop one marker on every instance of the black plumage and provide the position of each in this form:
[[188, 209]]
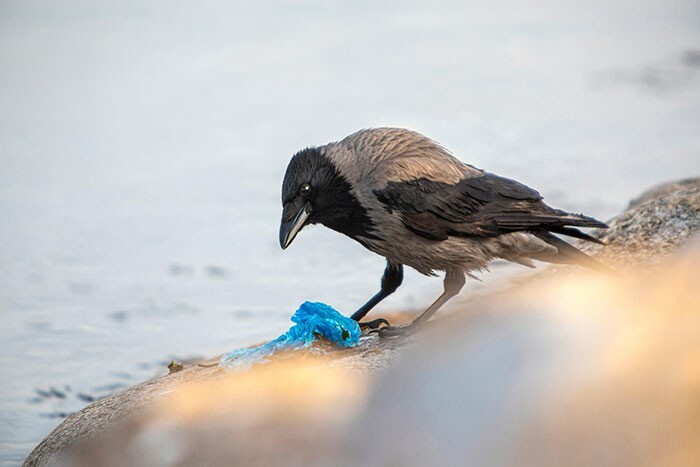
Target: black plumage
[[483, 206], [337, 208]]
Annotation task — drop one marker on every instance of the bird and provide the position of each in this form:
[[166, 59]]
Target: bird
[[405, 197]]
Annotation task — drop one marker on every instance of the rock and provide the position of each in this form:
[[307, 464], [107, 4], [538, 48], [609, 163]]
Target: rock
[[466, 390], [284, 413], [655, 225], [126, 411], [679, 187], [577, 371]]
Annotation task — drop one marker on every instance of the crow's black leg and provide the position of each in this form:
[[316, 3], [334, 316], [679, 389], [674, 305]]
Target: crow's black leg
[[391, 280]]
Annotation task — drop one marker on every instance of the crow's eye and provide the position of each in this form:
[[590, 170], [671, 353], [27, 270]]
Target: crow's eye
[[305, 190]]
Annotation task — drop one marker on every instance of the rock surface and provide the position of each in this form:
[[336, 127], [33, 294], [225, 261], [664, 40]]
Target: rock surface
[[447, 394], [575, 371], [655, 225]]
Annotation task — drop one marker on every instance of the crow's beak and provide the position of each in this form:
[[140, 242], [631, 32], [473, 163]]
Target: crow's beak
[[289, 230]]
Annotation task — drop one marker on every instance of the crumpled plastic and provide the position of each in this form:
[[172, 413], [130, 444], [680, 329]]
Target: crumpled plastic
[[314, 321]]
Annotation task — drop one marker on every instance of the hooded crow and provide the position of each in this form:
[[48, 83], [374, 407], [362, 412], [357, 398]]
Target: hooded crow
[[406, 198]]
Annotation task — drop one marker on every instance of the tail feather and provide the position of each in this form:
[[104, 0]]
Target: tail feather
[[572, 255], [554, 220], [579, 220], [576, 233]]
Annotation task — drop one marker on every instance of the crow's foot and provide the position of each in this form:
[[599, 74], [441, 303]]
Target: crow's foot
[[375, 325]]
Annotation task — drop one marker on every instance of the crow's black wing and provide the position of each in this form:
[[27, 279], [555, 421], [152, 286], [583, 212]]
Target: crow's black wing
[[482, 206]]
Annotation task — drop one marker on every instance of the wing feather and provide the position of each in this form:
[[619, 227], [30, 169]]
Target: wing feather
[[483, 206]]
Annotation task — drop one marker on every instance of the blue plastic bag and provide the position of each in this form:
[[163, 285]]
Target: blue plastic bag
[[313, 321]]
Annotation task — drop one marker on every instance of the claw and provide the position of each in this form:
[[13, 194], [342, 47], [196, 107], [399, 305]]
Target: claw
[[374, 325]]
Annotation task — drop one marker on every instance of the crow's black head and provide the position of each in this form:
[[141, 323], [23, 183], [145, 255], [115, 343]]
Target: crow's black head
[[314, 191]]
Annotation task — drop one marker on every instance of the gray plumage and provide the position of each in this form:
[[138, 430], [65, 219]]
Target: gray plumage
[[405, 197]]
